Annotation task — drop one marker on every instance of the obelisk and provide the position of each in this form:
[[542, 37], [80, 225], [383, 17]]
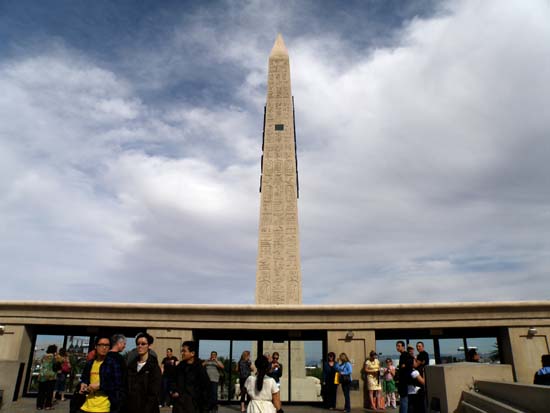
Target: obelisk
[[278, 274]]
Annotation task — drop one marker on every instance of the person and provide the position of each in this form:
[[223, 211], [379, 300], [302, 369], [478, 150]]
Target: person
[[46, 379], [116, 363], [415, 390], [472, 356], [168, 369], [98, 381], [410, 349], [144, 378], [275, 369], [64, 368], [542, 376], [190, 389], [133, 354], [244, 369], [404, 375], [213, 367], [329, 386], [423, 358], [91, 355], [344, 370], [388, 383], [262, 389], [372, 370]]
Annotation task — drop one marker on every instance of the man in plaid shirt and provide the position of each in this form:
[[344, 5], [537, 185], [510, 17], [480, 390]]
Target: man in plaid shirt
[[111, 377]]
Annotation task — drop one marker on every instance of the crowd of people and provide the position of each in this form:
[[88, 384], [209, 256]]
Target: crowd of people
[[52, 377], [137, 383], [382, 383]]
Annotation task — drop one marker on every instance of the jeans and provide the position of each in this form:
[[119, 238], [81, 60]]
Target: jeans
[[243, 394], [165, 392], [60, 382], [345, 389], [213, 394], [404, 404]]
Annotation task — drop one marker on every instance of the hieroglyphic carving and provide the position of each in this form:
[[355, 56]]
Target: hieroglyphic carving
[[278, 266], [293, 291], [268, 166], [265, 251], [264, 290], [289, 167], [278, 167], [290, 195]]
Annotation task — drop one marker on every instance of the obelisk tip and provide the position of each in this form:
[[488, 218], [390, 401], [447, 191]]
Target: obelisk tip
[[279, 48]]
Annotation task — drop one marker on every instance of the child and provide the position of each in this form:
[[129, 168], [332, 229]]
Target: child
[[388, 384]]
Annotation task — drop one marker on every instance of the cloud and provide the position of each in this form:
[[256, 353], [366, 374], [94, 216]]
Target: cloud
[[422, 157], [437, 159]]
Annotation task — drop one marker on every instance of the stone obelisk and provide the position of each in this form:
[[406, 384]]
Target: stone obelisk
[[278, 274]]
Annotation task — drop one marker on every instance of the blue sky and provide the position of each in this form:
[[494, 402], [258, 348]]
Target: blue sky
[[130, 141]]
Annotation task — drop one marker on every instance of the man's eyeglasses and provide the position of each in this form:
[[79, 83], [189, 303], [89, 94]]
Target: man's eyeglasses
[[142, 344], [103, 345], [275, 358]]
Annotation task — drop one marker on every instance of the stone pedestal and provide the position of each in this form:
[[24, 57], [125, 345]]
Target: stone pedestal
[[446, 382]]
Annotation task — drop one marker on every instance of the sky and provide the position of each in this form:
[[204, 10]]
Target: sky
[[130, 145]]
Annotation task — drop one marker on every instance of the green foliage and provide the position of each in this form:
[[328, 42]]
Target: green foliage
[[316, 372]]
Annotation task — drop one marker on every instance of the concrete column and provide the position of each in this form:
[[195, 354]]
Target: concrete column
[[527, 349], [15, 348], [165, 338], [357, 349]]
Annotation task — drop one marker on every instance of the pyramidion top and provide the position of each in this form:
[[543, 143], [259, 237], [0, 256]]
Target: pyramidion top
[[279, 48]]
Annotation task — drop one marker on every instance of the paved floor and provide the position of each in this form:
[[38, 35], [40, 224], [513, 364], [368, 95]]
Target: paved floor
[[27, 405]]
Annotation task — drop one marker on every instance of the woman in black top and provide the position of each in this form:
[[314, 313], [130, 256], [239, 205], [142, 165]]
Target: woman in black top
[[244, 368], [329, 387]]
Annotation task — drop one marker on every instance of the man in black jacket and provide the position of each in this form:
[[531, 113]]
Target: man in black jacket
[[405, 370], [115, 357], [190, 392]]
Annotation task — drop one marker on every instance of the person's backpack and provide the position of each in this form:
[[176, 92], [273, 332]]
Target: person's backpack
[[66, 367], [46, 369]]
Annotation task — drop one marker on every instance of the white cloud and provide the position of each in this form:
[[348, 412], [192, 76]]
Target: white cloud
[[423, 165]]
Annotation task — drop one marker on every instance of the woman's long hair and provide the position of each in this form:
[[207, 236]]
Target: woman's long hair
[[262, 365], [244, 354], [344, 358]]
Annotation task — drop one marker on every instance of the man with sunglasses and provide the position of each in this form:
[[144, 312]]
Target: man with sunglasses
[[276, 369]]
